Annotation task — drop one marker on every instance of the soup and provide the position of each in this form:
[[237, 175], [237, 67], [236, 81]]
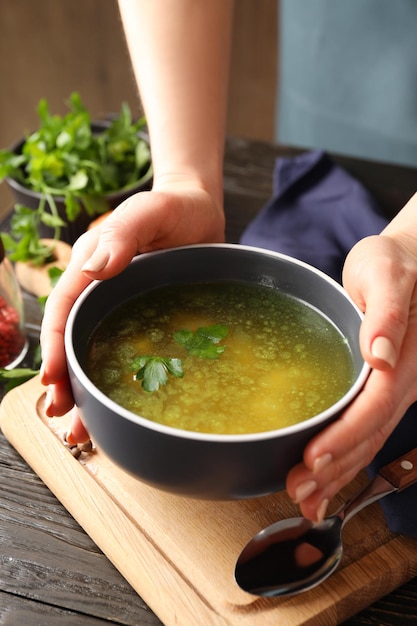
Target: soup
[[271, 360]]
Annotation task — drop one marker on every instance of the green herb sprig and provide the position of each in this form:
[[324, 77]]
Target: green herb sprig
[[17, 376], [153, 371], [204, 341], [65, 157], [24, 243]]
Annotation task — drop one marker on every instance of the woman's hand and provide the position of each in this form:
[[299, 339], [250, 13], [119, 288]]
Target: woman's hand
[[175, 214], [380, 274], [180, 57]]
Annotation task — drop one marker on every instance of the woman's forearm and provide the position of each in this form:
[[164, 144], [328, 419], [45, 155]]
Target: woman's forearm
[[180, 54]]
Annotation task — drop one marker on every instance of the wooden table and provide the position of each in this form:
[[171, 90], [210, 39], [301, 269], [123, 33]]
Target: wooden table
[[51, 571]]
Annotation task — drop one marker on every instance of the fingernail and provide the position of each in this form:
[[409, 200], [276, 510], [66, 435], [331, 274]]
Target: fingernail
[[304, 490], [383, 349], [70, 439], [97, 262], [321, 511], [322, 461]]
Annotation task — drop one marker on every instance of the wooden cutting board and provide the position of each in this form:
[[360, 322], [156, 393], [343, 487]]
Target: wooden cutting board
[[179, 553]]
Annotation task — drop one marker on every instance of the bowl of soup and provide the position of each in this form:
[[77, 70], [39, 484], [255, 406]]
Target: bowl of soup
[[205, 370]]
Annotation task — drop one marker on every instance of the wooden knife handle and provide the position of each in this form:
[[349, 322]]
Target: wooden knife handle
[[402, 472]]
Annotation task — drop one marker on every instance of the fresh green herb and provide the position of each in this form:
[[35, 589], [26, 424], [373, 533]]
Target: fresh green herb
[[153, 371], [204, 341], [16, 377], [66, 158], [24, 243]]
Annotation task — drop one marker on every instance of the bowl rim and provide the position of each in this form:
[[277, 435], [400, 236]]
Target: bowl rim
[[311, 422]]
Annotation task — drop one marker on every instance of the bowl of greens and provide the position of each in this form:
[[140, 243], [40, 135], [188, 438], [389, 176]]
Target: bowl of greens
[[204, 370], [72, 169]]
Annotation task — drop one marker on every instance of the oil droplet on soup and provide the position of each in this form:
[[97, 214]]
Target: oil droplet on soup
[[284, 361]]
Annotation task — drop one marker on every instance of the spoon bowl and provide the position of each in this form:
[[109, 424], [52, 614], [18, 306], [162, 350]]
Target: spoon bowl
[[290, 556], [294, 555]]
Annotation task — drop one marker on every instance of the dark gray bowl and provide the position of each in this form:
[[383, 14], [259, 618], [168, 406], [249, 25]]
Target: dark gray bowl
[[197, 464]]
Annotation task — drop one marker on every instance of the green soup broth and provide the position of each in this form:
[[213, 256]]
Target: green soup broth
[[283, 361]]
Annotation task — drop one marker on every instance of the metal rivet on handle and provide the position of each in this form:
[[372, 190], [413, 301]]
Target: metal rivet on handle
[[407, 465]]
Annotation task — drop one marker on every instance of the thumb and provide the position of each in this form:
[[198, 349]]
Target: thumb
[[376, 277], [126, 231]]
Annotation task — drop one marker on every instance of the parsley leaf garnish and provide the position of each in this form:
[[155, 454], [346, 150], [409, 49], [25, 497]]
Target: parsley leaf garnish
[[204, 341], [153, 371]]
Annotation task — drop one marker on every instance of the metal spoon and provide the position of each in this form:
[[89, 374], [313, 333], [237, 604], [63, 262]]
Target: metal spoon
[[295, 554]]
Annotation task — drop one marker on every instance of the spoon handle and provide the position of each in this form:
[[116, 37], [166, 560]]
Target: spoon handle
[[402, 472], [395, 476]]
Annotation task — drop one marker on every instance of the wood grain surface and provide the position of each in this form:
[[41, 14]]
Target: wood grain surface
[[178, 553]]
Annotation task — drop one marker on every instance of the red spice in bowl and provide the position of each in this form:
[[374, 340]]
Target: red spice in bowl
[[12, 339]]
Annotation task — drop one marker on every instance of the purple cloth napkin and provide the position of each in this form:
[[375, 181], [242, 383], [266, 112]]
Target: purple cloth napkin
[[317, 213]]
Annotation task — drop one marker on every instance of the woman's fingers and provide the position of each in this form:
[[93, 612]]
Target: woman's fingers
[[335, 456], [380, 277], [154, 220], [77, 432], [59, 398], [132, 226], [57, 308]]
